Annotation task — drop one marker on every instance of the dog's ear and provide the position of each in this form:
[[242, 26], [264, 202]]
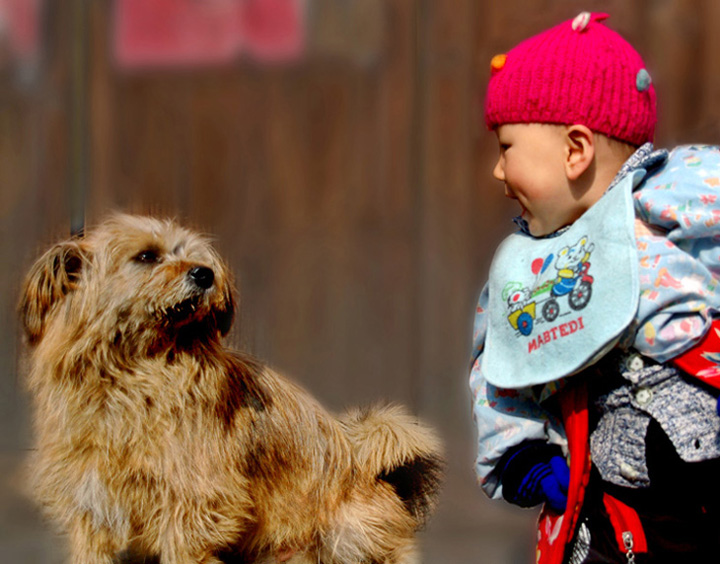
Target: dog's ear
[[393, 447], [52, 277]]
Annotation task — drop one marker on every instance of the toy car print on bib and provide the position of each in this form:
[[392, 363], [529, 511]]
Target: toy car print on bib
[[557, 303]]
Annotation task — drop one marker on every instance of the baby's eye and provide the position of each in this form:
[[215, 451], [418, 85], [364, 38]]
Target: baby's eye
[[504, 146], [148, 256]]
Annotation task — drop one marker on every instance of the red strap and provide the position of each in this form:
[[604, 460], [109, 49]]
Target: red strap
[[625, 520], [703, 360], [555, 530]]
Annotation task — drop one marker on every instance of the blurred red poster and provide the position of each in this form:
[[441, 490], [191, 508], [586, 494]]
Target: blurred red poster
[[20, 28], [192, 32]]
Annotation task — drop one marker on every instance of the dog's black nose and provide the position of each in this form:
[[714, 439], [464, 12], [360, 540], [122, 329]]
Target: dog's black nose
[[202, 276]]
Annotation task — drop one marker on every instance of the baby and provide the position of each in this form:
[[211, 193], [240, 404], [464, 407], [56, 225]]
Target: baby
[[595, 368]]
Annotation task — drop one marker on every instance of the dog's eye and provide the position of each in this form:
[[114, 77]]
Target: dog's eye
[[147, 257]]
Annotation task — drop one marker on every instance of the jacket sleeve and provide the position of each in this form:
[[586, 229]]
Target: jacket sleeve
[[503, 418]]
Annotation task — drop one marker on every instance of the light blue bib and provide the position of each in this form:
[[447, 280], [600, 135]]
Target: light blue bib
[[557, 304]]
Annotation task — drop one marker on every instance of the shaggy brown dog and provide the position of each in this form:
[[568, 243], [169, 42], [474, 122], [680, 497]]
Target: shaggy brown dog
[[156, 443]]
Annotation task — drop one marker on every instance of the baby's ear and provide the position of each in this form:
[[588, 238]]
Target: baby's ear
[[52, 277], [580, 143]]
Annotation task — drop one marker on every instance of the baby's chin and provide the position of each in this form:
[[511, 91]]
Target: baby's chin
[[542, 229]]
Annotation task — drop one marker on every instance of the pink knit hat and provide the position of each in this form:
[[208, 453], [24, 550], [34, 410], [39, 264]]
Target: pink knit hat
[[579, 72]]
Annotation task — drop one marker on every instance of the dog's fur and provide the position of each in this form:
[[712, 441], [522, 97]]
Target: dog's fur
[[155, 443]]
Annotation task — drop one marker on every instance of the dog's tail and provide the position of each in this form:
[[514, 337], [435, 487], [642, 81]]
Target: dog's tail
[[398, 449]]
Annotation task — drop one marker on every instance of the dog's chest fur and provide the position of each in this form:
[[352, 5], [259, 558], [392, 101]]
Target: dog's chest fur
[[137, 435]]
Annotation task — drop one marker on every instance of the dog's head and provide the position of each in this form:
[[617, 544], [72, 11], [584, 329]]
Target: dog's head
[[131, 277]]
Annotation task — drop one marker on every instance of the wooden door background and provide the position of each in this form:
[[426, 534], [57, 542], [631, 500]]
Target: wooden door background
[[351, 192]]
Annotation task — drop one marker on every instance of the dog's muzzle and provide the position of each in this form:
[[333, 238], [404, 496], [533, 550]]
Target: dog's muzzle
[[202, 277], [199, 280]]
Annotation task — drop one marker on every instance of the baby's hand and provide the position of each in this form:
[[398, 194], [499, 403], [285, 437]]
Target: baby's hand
[[534, 473]]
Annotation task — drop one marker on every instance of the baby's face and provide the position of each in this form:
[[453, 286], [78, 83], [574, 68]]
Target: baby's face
[[531, 165]]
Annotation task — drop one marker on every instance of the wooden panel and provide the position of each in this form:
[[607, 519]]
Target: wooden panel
[[291, 168], [34, 175]]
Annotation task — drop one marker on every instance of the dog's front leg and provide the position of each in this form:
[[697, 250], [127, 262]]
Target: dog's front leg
[[90, 544]]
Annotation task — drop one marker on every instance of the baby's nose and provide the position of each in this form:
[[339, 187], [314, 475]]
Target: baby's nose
[[499, 172]]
